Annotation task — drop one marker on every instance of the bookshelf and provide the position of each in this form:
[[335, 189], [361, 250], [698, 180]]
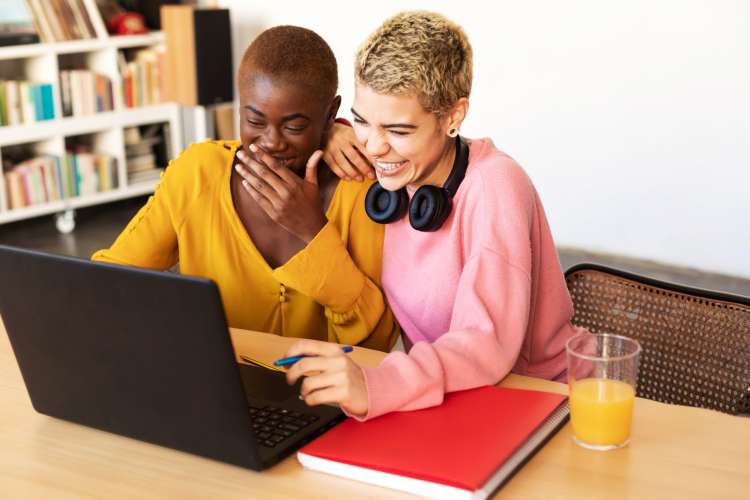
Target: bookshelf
[[103, 132]]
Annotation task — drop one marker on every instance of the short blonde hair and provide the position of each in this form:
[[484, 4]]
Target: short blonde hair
[[421, 53]]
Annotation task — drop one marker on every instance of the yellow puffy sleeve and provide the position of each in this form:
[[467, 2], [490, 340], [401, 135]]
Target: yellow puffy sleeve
[[150, 238]]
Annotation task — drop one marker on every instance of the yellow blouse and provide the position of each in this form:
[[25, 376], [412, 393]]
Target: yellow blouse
[[330, 290]]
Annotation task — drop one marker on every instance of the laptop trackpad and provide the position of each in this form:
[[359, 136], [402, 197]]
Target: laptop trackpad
[[262, 383]]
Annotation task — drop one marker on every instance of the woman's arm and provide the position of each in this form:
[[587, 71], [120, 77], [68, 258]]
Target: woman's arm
[[150, 238], [488, 326]]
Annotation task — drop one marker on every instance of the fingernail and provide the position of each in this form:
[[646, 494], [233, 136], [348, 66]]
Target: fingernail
[[253, 148], [359, 178]]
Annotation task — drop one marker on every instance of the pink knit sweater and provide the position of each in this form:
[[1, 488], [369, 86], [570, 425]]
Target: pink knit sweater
[[479, 298]]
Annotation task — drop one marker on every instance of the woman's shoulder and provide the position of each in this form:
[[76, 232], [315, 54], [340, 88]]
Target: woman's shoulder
[[347, 207], [351, 194], [489, 163], [496, 204], [495, 176], [209, 154], [202, 164]]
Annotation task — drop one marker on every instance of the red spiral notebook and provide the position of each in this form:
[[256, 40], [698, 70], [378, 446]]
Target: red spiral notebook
[[465, 448]]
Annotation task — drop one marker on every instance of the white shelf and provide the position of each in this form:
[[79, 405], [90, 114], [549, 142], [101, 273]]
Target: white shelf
[[79, 202], [77, 125], [72, 47], [42, 63]]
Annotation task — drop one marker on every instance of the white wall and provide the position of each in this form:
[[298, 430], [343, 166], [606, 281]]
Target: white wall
[[632, 118]]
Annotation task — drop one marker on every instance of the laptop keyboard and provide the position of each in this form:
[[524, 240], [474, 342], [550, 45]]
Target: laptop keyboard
[[272, 424]]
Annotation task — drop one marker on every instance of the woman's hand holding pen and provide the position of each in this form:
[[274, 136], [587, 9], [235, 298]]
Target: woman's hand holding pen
[[331, 377], [290, 201]]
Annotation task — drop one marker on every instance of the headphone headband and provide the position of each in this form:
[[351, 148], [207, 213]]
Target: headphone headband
[[460, 164]]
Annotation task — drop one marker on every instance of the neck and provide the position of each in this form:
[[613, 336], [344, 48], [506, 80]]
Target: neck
[[439, 173]]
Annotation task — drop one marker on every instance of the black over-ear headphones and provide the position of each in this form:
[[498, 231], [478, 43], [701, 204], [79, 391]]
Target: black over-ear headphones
[[429, 207]]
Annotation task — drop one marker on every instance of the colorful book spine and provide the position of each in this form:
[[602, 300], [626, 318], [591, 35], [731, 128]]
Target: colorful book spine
[[48, 103], [3, 110], [13, 102], [28, 112], [25, 102], [36, 91]]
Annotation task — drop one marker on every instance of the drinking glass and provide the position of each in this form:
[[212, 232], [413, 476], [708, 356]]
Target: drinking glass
[[602, 377]]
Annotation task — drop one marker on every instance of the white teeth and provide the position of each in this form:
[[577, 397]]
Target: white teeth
[[389, 166]]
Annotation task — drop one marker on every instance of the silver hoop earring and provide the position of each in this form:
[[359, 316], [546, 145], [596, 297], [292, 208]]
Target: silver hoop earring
[[453, 132]]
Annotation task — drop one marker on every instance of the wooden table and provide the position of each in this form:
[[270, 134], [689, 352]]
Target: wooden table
[[675, 452]]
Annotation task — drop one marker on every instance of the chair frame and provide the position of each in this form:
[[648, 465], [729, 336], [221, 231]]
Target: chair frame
[[652, 391]]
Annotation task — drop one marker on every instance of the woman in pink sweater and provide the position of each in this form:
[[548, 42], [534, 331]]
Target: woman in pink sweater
[[476, 284]]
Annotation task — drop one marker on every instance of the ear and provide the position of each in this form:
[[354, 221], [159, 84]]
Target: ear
[[333, 109], [456, 115]]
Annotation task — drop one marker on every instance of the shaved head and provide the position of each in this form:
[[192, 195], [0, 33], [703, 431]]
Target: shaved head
[[291, 55]]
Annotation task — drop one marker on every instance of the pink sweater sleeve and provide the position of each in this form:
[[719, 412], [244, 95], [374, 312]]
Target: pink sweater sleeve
[[487, 329]]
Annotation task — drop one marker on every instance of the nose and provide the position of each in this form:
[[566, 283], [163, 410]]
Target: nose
[[376, 145], [272, 141]]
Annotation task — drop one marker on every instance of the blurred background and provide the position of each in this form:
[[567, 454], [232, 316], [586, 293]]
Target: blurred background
[[631, 118]]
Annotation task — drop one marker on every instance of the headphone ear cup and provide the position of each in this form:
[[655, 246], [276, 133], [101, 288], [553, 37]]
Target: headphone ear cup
[[429, 207], [385, 206]]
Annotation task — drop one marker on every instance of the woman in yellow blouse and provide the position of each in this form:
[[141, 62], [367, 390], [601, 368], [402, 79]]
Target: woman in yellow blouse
[[289, 247]]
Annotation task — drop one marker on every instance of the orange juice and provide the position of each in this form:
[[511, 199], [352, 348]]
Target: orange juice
[[601, 411]]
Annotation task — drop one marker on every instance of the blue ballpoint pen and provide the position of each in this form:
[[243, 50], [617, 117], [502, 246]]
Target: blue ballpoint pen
[[293, 359]]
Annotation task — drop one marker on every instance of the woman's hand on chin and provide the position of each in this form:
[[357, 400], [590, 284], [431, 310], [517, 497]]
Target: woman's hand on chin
[[344, 155], [331, 377]]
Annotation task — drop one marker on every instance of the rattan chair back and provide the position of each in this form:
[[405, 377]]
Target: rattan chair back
[[696, 343]]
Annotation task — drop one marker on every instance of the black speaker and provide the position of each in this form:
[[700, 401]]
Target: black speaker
[[199, 55]]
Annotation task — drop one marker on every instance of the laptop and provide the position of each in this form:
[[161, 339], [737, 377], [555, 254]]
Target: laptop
[[146, 354]]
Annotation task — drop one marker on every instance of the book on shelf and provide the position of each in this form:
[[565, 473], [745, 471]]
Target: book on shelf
[[142, 76], [141, 161], [23, 102], [62, 20], [84, 92], [465, 448], [144, 176], [16, 23], [49, 178]]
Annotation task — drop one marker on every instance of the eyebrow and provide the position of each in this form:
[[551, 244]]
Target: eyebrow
[[284, 119], [387, 125]]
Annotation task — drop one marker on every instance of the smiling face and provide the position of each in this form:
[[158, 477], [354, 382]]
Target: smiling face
[[287, 120], [408, 145]]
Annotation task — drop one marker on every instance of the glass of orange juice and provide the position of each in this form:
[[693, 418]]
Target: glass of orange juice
[[602, 375]]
